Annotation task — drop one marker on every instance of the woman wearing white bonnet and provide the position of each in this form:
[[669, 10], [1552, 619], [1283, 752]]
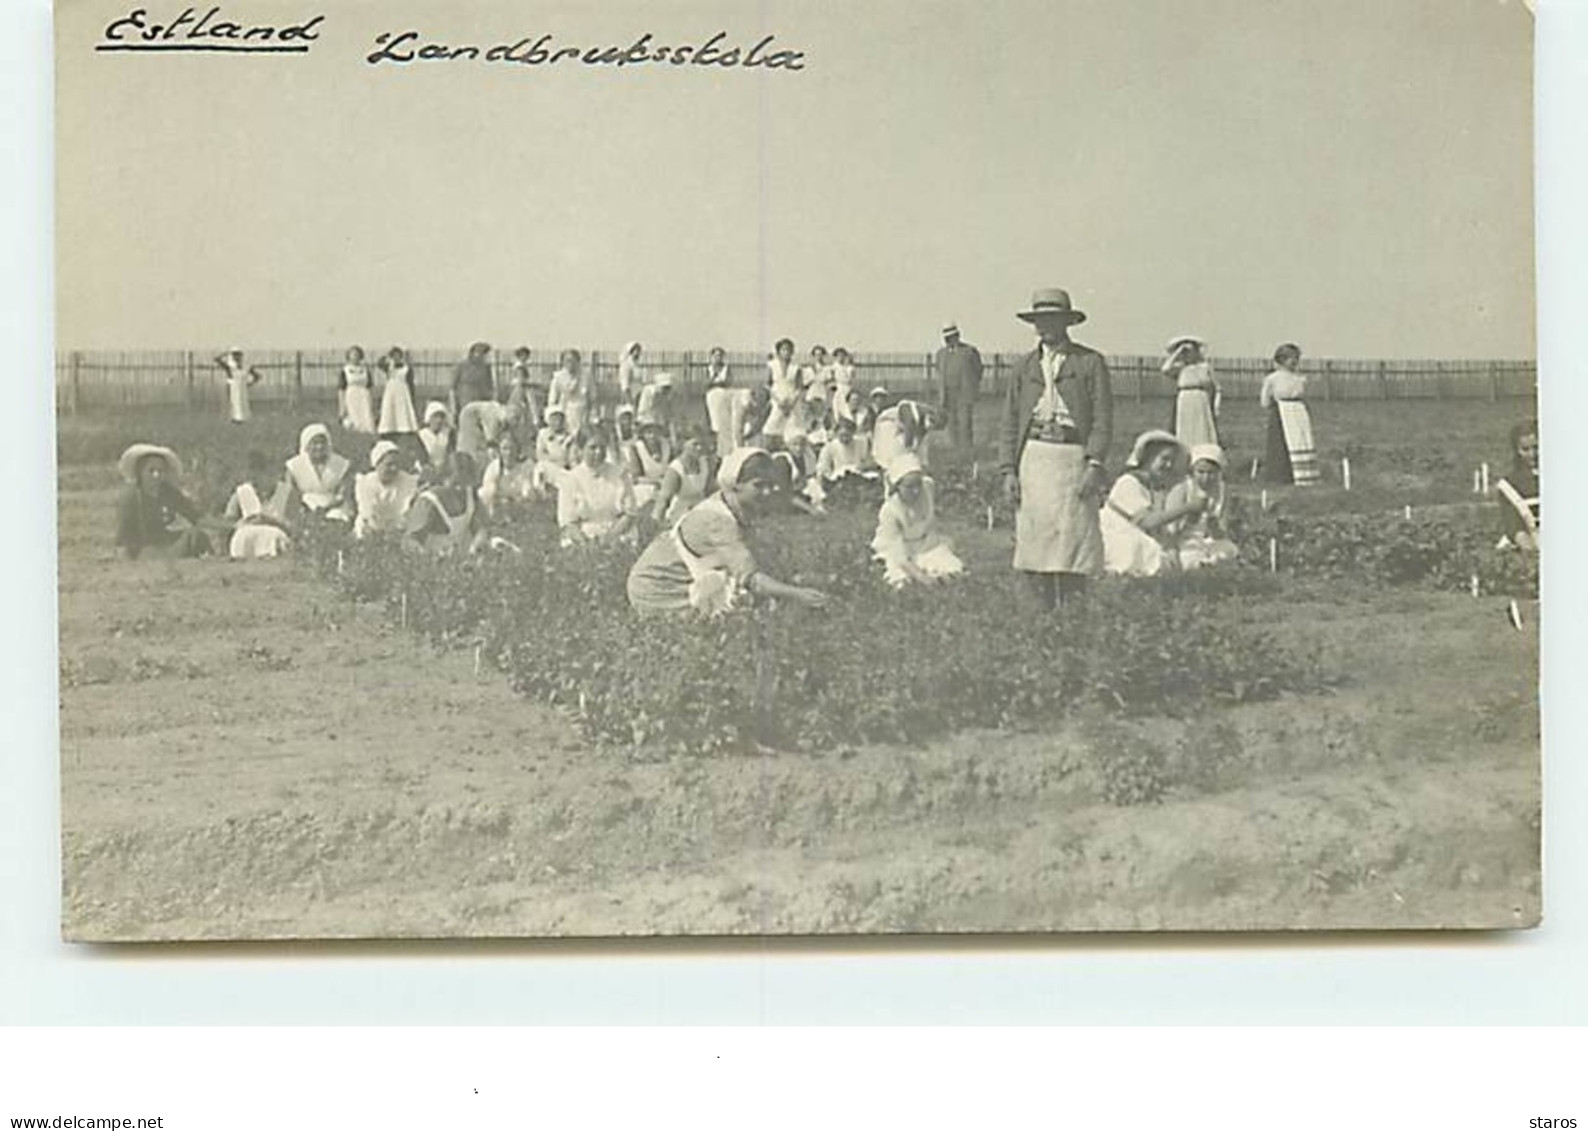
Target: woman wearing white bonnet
[[908, 542], [1202, 536], [703, 563], [384, 493]]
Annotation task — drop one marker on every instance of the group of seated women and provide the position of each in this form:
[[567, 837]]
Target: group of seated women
[[1158, 519]]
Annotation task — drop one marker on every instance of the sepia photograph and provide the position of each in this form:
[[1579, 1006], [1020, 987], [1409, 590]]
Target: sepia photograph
[[761, 469]]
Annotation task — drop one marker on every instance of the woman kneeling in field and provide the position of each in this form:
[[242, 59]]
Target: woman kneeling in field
[[703, 564], [1137, 518], [908, 542], [1519, 491], [1204, 537], [447, 518], [153, 517], [258, 512]]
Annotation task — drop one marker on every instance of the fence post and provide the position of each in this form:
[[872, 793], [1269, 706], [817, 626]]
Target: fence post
[[1494, 381], [295, 393], [1328, 380], [998, 374], [926, 368], [1383, 379], [1138, 372], [192, 378], [74, 398]]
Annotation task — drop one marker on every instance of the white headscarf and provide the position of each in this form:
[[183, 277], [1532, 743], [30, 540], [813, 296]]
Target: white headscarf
[[733, 463], [381, 450], [1210, 453], [310, 431], [434, 407]]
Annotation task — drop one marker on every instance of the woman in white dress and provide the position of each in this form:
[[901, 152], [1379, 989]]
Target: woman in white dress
[[1203, 538], [353, 394], [258, 512], [384, 493], [631, 374], [1289, 455], [720, 402], [595, 500], [843, 384], [553, 450], [908, 542], [1197, 396], [319, 476], [398, 417], [903, 428], [783, 379], [1136, 518], [570, 391], [648, 459], [239, 378]]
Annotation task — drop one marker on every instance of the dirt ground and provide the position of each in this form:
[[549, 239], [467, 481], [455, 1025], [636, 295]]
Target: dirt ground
[[243, 755]]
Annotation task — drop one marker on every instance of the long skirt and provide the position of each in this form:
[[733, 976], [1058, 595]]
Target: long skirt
[[360, 409], [397, 416], [1193, 417], [1289, 455], [1130, 551], [1056, 530]]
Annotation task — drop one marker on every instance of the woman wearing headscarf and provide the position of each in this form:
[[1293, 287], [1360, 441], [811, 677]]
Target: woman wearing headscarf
[[1203, 537], [683, 483], [153, 517], [384, 493], [703, 563], [353, 393], [900, 429], [648, 458], [319, 475], [397, 416], [595, 500], [258, 511], [631, 374], [1289, 455], [571, 391], [436, 438], [1519, 498], [1197, 396], [908, 542], [1136, 518], [447, 518]]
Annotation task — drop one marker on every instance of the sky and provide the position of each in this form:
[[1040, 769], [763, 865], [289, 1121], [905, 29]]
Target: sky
[[1354, 175]]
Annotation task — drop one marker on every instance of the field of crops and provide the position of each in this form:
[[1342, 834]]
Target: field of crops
[[361, 743]]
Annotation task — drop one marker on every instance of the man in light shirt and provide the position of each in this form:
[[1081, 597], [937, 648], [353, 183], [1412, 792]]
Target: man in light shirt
[[1058, 422]]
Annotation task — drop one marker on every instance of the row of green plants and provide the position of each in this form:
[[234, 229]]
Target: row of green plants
[[875, 666]]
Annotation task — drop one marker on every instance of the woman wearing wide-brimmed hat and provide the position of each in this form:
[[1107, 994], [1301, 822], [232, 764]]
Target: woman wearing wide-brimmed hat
[[1197, 397], [1137, 518], [1058, 422], [153, 517]]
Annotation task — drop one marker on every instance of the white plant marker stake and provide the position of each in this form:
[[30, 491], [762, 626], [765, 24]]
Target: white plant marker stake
[[1254, 468], [1477, 481], [1485, 478], [339, 563], [1273, 555], [1265, 498], [1516, 616], [403, 616], [975, 470], [1477, 589], [478, 648], [1345, 471], [1408, 512], [989, 517]]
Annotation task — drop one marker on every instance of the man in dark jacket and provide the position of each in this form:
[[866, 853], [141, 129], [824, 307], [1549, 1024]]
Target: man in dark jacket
[[959, 377], [1058, 420]]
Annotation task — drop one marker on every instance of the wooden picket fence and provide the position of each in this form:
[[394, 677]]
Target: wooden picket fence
[[105, 380]]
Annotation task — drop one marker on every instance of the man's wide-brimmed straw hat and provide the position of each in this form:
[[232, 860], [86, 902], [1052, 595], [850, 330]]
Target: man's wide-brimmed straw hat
[[1052, 302], [133, 456]]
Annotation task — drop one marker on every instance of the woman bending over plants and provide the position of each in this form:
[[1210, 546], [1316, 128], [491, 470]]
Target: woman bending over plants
[[447, 519], [704, 564]]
